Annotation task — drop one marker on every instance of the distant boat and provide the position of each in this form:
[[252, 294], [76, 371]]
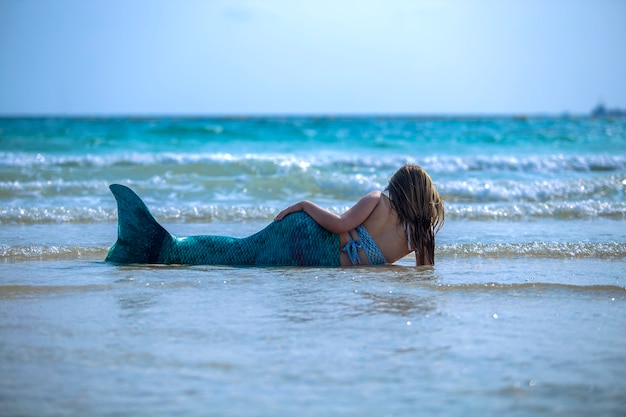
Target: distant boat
[[601, 111]]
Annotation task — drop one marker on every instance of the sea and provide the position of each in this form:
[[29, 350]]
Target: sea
[[523, 313]]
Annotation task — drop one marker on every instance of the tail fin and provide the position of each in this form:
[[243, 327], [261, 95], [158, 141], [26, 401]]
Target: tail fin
[[139, 236]]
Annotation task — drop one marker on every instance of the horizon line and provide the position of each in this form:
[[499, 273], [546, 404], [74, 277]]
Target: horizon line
[[259, 115]]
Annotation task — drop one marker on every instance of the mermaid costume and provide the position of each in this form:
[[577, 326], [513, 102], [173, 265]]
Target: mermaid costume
[[296, 240]]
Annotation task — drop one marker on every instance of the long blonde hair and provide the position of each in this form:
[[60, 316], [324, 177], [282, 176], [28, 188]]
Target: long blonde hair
[[419, 207]]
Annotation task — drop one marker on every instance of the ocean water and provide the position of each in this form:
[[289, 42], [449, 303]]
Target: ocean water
[[524, 313]]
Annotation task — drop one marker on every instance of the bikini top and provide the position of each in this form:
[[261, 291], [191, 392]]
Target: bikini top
[[367, 245]]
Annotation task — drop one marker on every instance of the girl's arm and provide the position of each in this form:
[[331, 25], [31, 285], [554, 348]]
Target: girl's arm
[[349, 220]]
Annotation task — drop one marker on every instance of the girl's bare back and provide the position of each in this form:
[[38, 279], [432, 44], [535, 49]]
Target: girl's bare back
[[383, 226]]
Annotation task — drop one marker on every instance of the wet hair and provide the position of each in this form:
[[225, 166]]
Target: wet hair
[[419, 208]]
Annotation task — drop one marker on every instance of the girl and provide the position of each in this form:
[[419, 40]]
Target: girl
[[380, 228]]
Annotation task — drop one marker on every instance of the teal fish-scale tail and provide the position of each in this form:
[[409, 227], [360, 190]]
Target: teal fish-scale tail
[[297, 240], [139, 236]]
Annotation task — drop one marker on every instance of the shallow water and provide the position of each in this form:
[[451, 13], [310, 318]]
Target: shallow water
[[472, 336]]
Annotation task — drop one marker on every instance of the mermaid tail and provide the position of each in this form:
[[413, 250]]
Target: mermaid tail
[[297, 240], [139, 236]]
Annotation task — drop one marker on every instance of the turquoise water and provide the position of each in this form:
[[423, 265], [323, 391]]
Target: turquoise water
[[523, 314]]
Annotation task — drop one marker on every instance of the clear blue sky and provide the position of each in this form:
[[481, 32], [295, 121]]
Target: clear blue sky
[[311, 56]]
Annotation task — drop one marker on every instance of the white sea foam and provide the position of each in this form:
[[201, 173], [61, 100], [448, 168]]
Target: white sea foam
[[49, 252], [550, 250], [606, 250], [198, 212], [486, 189], [327, 160]]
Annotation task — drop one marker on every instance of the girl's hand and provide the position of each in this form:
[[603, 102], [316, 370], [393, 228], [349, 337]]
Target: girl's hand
[[291, 209]]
